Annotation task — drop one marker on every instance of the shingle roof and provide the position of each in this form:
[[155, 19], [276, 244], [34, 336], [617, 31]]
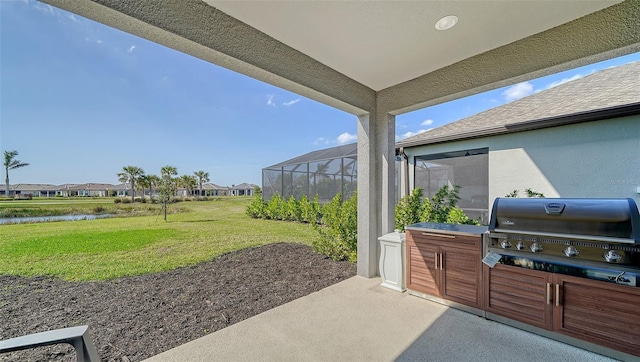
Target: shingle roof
[[212, 186], [244, 186], [92, 187], [607, 89], [59, 187], [30, 187]]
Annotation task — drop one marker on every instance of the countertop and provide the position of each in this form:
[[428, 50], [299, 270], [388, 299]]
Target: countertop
[[448, 228]]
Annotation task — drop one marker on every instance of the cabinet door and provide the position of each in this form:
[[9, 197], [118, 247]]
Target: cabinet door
[[422, 274], [520, 294], [599, 312], [460, 276]]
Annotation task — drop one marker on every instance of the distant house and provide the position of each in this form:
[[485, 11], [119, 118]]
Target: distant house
[[211, 189], [35, 190], [578, 139], [59, 190], [91, 189], [244, 189], [122, 190], [208, 189]]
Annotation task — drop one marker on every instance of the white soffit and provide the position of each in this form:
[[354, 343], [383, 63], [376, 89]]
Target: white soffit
[[384, 43]]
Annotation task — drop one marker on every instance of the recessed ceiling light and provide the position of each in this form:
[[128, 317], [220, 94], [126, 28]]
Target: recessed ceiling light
[[447, 22]]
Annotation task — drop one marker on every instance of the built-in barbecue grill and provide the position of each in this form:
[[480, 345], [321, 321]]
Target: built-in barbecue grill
[[592, 238]]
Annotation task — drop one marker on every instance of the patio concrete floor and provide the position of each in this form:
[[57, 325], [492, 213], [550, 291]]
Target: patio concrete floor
[[358, 320]]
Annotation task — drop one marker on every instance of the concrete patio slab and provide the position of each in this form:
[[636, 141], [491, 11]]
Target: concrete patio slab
[[358, 320]]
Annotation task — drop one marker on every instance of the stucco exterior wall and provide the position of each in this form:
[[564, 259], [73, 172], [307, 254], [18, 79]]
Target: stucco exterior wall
[[592, 159]]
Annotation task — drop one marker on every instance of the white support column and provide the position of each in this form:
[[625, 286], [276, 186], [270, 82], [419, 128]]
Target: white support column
[[376, 186]]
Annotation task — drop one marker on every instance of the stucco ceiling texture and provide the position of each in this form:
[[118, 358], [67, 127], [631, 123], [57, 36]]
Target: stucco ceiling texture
[[384, 43]]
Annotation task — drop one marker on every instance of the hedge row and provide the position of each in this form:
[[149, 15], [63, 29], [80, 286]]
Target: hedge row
[[336, 222]]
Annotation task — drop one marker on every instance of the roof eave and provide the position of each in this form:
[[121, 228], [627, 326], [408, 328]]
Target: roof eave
[[580, 117]]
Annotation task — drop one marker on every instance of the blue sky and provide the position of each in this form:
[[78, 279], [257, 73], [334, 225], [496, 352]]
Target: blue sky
[[80, 100]]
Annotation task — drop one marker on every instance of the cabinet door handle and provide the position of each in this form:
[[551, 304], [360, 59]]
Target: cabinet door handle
[[557, 295], [448, 236], [441, 261], [548, 293], [435, 258]]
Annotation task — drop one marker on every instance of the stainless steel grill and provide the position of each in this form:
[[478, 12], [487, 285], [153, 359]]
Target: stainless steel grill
[[594, 238]]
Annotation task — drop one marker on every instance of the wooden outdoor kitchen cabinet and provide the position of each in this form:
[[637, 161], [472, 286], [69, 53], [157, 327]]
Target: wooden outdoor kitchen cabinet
[[594, 311], [445, 261]]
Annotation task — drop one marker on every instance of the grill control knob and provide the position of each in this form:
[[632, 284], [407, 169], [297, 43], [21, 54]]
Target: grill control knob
[[612, 256], [505, 244], [571, 251], [520, 245], [536, 247]]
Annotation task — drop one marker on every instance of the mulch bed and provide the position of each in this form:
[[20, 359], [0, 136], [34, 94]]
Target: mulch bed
[[134, 318]]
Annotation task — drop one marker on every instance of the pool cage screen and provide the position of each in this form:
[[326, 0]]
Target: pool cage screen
[[324, 173]]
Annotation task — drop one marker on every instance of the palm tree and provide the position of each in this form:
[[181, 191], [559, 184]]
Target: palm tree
[[188, 182], [130, 174], [10, 163], [143, 183], [154, 182], [202, 178]]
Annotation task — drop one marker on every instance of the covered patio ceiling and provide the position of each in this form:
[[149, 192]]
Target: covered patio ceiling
[[378, 59], [347, 53]]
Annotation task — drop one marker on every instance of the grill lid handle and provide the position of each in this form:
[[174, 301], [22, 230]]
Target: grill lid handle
[[554, 208]]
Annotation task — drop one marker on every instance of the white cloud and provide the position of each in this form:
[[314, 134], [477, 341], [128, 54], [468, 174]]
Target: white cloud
[[43, 7], [346, 138], [99, 41], [427, 122], [73, 18], [564, 80], [411, 134], [292, 102], [131, 49], [518, 91], [321, 141], [270, 101]]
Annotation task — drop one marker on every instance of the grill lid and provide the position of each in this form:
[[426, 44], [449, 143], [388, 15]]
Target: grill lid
[[606, 220]]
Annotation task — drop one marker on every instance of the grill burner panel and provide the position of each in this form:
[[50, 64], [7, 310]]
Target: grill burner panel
[[586, 250]]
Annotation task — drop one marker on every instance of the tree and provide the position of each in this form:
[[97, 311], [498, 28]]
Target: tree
[[154, 182], [202, 178], [167, 186], [188, 182], [130, 174], [144, 183], [10, 163]]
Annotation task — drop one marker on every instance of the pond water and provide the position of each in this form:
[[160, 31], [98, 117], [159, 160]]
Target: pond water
[[30, 219]]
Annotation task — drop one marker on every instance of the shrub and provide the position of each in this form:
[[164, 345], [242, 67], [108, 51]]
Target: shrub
[[98, 209], [529, 192], [441, 204], [457, 216], [117, 200], [309, 210], [274, 208], [125, 200], [256, 209], [440, 208], [338, 229], [291, 210], [408, 210]]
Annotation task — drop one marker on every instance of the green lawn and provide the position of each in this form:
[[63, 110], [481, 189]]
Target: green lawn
[[110, 248]]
